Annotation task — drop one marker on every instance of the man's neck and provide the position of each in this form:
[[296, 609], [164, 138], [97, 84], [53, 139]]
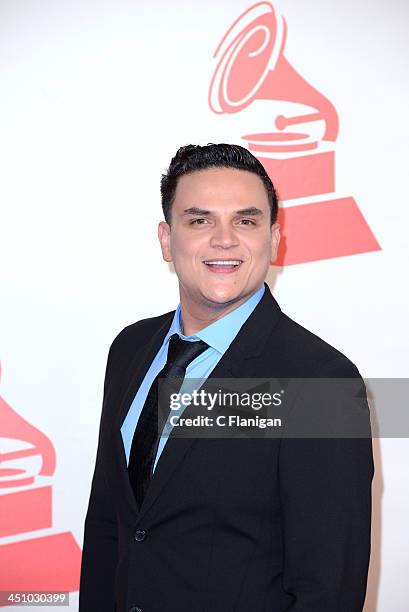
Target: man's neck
[[195, 317]]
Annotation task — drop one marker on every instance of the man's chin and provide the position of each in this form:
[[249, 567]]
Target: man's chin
[[221, 298]]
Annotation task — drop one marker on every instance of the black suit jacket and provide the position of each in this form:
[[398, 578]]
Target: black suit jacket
[[229, 525]]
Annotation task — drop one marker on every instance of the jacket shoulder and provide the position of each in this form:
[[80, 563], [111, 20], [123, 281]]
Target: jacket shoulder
[[312, 353], [138, 333]]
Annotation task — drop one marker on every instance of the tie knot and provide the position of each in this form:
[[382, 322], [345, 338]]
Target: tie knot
[[182, 352]]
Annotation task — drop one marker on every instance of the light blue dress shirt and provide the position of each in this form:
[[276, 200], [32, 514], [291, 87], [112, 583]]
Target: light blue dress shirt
[[218, 335]]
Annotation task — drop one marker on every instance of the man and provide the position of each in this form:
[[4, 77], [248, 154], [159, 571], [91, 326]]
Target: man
[[222, 524]]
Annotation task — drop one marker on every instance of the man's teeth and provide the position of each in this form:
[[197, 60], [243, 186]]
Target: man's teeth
[[235, 262]]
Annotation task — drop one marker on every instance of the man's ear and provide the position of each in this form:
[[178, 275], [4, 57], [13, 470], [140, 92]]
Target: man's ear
[[164, 239], [275, 241]]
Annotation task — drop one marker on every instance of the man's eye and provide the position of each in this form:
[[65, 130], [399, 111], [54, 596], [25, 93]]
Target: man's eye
[[197, 221], [249, 221]]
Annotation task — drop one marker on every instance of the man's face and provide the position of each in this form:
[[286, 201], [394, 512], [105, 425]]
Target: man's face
[[219, 215]]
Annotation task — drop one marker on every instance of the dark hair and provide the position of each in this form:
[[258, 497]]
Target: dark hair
[[191, 158]]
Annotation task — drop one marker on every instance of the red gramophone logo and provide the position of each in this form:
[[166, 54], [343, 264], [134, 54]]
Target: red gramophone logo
[[298, 152], [33, 557]]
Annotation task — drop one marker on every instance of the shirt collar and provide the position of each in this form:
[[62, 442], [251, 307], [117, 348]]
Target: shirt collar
[[220, 334]]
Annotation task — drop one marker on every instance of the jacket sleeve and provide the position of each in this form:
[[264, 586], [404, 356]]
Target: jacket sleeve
[[325, 491], [99, 555]]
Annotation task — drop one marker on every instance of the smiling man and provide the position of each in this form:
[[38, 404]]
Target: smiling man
[[221, 235], [222, 524]]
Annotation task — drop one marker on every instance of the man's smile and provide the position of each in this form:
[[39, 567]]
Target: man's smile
[[223, 266]]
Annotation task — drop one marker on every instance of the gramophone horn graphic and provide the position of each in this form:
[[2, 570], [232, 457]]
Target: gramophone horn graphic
[[33, 557], [297, 150]]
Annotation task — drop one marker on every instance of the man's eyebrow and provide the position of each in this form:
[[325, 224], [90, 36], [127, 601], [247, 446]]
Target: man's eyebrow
[[250, 211]]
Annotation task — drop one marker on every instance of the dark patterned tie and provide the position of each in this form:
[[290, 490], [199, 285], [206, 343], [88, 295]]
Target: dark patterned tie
[[146, 437]]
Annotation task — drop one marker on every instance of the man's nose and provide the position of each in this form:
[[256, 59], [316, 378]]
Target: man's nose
[[224, 235]]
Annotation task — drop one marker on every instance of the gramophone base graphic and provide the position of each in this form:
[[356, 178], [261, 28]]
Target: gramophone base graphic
[[48, 562], [323, 227], [323, 230]]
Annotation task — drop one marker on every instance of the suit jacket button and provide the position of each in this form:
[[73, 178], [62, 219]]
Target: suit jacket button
[[140, 535]]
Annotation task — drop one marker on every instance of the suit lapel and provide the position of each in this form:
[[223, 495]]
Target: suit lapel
[[172, 454], [138, 367]]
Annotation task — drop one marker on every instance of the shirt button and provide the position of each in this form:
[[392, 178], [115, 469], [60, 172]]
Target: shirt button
[[140, 535]]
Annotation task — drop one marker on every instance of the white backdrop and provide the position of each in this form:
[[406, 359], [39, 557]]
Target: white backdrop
[[96, 96]]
